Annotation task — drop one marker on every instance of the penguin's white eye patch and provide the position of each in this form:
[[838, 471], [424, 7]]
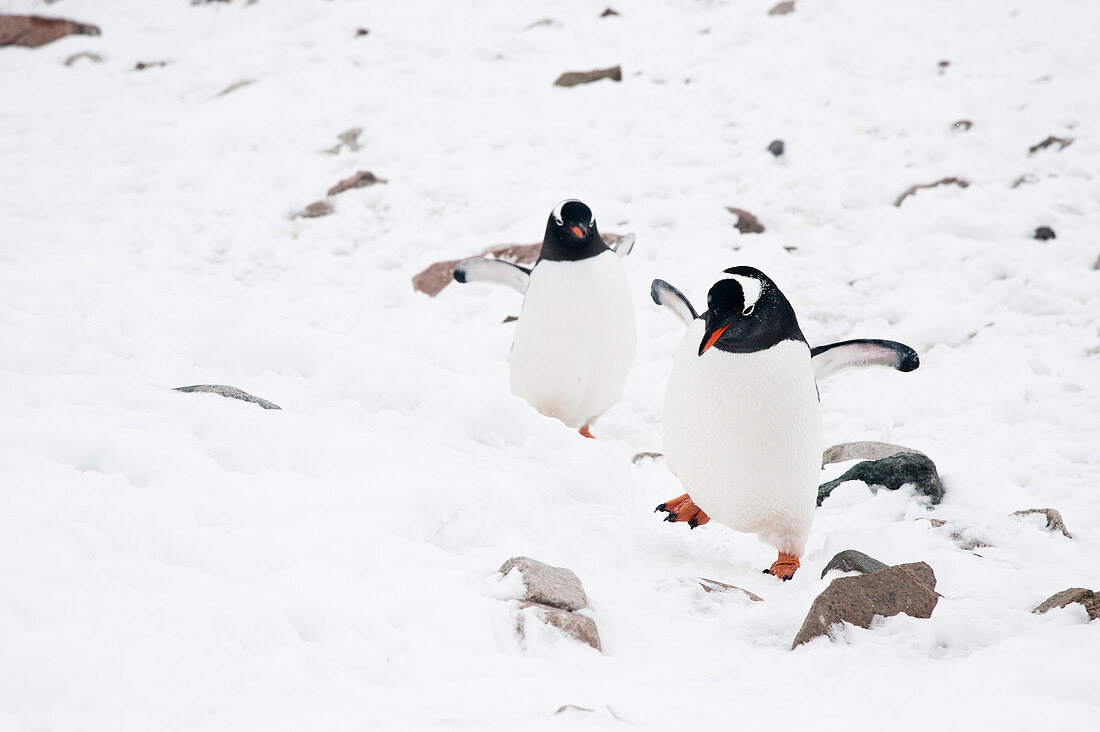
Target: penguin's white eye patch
[[748, 309], [752, 288]]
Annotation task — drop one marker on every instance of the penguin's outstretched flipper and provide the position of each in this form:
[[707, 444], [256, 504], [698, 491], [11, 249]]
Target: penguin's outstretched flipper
[[623, 246], [683, 509], [834, 357], [669, 297], [496, 271]]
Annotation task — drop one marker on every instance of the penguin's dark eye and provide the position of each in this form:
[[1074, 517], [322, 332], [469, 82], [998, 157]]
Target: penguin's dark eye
[[749, 309]]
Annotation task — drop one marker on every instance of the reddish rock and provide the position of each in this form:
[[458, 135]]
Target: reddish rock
[[578, 627], [34, 30], [904, 588], [573, 78], [546, 585], [362, 179], [1088, 598], [746, 222]]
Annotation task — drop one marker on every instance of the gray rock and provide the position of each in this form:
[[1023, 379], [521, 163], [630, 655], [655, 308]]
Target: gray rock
[[710, 585], [851, 560], [1043, 233], [546, 585], [866, 450], [646, 456], [579, 627], [1088, 598], [776, 147], [573, 78], [787, 6], [892, 473], [229, 391], [904, 588], [316, 209], [1054, 519]]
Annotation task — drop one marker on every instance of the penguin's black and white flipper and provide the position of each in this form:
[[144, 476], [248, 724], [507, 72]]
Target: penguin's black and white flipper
[[835, 357], [496, 271], [623, 246], [669, 297]]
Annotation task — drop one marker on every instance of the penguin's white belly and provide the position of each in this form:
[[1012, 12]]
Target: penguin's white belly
[[575, 338], [742, 432]]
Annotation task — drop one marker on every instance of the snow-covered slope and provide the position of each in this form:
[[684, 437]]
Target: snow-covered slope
[[171, 560]]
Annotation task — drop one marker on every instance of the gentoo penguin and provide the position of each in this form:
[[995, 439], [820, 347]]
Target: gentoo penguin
[[575, 336], [742, 416]]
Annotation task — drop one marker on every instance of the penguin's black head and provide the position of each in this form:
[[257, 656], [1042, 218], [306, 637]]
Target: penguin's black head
[[746, 312], [571, 232]]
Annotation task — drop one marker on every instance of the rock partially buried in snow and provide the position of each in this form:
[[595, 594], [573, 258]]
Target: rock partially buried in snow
[[1088, 598], [710, 585], [787, 6], [867, 450], [231, 392], [746, 222], [573, 78], [554, 586], [362, 179], [851, 560], [903, 588], [1054, 519], [1043, 233], [578, 627], [315, 210], [776, 147], [1062, 142], [953, 180], [34, 30], [892, 473], [960, 536]]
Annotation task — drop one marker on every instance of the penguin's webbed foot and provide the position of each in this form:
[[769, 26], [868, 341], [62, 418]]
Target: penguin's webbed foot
[[683, 509], [585, 432], [784, 567]]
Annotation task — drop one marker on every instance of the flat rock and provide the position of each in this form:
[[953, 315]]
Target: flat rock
[[34, 30], [1054, 519], [1088, 598], [746, 222], [231, 392], [578, 627], [851, 560], [787, 6], [554, 586], [867, 450], [903, 588], [93, 57], [315, 210], [361, 179], [573, 78], [710, 585], [892, 473]]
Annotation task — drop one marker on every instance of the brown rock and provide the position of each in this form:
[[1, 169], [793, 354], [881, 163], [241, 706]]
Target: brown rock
[[578, 627], [710, 585], [348, 139], [34, 30], [315, 209], [962, 124], [609, 11], [545, 585], [1054, 519], [93, 57], [573, 78], [904, 588], [362, 179], [746, 222], [867, 450], [235, 86], [1088, 598], [645, 456], [941, 182], [142, 65], [1062, 142], [782, 8]]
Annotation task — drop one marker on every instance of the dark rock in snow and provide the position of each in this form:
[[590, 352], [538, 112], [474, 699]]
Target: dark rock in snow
[[554, 586], [787, 6], [867, 450], [892, 473], [33, 31], [362, 179], [362, 32], [851, 560], [574, 625], [235, 86], [746, 222], [315, 209], [644, 456], [1054, 519], [229, 391], [1043, 233], [904, 588], [710, 585], [609, 11], [573, 78], [776, 147], [962, 124], [142, 65], [1062, 142], [1088, 598], [941, 182]]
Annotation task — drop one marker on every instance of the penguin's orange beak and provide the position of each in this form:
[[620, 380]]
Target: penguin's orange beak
[[579, 230], [710, 340]]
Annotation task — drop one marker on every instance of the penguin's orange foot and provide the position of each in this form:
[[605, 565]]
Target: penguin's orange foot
[[683, 509], [586, 433], [784, 567]]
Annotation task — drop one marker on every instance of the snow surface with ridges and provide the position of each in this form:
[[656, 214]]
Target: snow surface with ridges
[[176, 561]]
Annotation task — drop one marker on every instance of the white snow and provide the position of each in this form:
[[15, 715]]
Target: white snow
[[176, 561]]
